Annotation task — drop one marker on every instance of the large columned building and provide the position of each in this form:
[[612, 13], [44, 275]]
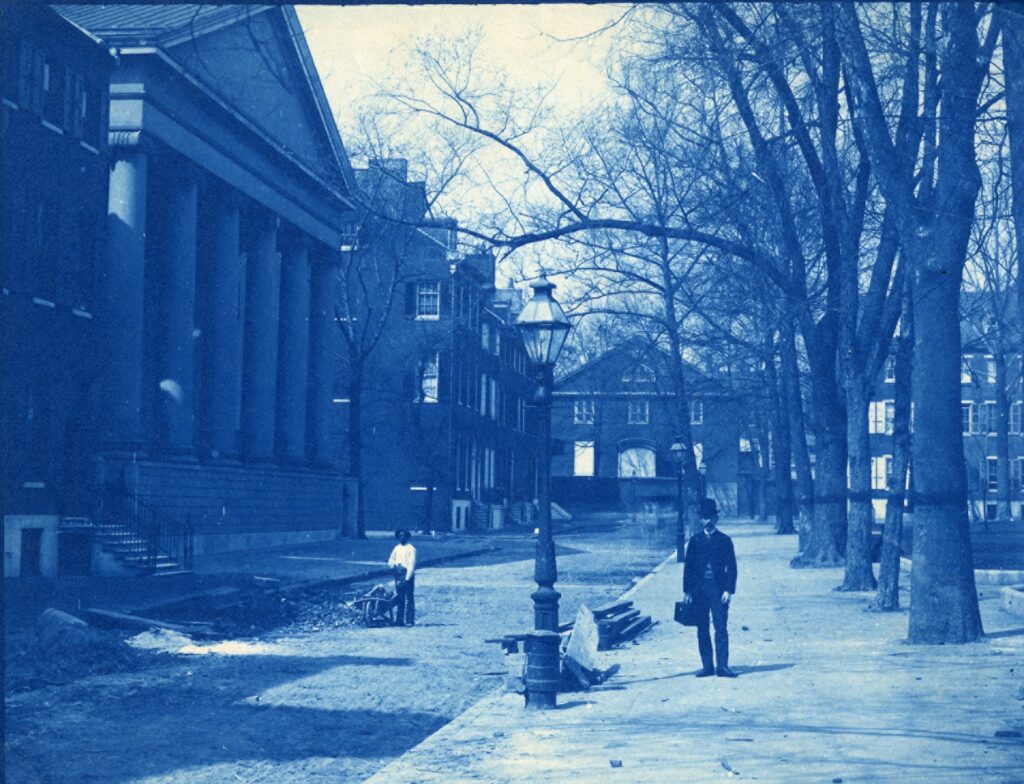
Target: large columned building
[[227, 199]]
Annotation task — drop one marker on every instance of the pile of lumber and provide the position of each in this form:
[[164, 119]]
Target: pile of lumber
[[619, 623]]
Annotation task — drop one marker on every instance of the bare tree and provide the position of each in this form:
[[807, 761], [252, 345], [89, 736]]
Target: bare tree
[[933, 199]]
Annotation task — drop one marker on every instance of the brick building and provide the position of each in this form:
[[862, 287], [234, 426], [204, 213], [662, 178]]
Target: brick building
[[443, 412], [210, 371], [53, 191], [615, 421]]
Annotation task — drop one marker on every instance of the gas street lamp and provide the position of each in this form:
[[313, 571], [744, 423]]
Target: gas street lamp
[[677, 450], [543, 327]]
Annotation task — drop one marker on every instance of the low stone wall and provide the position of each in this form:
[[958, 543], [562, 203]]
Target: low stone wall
[[1012, 599], [235, 505]]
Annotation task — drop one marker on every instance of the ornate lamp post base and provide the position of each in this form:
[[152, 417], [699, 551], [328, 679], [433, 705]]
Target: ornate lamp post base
[[542, 669]]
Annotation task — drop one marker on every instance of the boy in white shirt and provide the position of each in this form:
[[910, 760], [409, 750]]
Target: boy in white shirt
[[403, 561]]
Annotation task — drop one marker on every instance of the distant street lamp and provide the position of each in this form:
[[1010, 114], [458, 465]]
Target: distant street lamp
[[543, 327], [678, 450]]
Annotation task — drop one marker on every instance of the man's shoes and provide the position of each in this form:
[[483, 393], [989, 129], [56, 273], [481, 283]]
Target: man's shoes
[[707, 672], [725, 672]]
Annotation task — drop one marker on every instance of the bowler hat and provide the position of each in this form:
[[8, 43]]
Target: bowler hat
[[708, 509]]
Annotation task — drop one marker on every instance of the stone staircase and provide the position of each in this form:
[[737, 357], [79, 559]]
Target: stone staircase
[[133, 551], [141, 539]]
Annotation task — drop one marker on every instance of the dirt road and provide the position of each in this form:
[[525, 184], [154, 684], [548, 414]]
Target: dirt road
[[305, 703]]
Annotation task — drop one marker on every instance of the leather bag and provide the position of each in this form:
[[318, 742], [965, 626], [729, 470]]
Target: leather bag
[[686, 613]]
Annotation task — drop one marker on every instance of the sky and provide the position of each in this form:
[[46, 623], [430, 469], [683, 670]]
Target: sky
[[354, 46], [550, 46]]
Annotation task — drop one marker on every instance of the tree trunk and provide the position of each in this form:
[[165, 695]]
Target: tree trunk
[[944, 599], [1002, 437], [827, 540], [782, 452], [858, 575], [355, 446], [1013, 64], [691, 476], [888, 597], [793, 397]]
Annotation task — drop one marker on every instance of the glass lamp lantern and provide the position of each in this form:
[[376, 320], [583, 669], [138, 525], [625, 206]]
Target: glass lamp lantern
[[543, 324]]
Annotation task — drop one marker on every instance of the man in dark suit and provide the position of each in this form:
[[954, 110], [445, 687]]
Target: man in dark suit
[[709, 581]]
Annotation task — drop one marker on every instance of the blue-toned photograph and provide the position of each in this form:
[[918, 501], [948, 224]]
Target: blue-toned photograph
[[511, 393]]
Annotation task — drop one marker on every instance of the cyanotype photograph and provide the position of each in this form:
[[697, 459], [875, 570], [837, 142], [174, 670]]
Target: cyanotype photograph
[[512, 393]]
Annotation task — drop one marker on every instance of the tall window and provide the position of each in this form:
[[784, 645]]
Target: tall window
[[485, 337], [494, 398], [880, 416], [881, 472], [890, 369], [987, 418], [992, 473], [428, 380], [1016, 412], [966, 417], [638, 412], [53, 93], [428, 299], [696, 411], [484, 392], [1017, 474], [584, 412], [636, 462], [965, 369], [990, 370], [583, 458]]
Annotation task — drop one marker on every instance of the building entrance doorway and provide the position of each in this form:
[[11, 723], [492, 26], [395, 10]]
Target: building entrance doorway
[[31, 552]]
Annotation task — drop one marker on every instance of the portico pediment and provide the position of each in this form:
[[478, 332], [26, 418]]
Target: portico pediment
[[258, 65]]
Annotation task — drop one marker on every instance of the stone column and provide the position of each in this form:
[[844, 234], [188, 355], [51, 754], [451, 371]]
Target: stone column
[[259, 367], [124, 290], [176, 259], [323, 339], [293, 349], [222, 321]]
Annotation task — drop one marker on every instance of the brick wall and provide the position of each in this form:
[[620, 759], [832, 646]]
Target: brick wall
[[237, 498]]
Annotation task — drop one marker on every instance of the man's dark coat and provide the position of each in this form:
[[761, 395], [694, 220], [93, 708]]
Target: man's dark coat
[[716, 549]]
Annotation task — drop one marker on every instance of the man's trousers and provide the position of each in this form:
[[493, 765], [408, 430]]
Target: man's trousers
[[709, 602], [405, 602]]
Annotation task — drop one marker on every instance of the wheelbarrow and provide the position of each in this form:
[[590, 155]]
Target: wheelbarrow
[[377, 607]]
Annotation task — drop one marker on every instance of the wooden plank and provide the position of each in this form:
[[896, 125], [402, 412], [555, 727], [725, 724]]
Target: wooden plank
[[125, 621], [634, 629], [612, 609]]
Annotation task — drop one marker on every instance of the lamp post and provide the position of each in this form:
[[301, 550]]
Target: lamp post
[[703, 470], [543, 327], [677, 452]]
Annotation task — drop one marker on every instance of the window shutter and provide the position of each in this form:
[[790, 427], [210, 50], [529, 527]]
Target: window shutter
[[25, 75], [444, 297], [444, 376], [69, 102], [77, 98], [38, 64], [410, 299]]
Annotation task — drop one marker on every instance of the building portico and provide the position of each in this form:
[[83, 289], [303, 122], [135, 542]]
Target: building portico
[[223, 237]]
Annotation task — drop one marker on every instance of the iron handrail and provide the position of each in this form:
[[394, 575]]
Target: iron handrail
[[152, 532]]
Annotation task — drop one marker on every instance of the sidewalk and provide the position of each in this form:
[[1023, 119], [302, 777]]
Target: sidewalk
[[826, 693]]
